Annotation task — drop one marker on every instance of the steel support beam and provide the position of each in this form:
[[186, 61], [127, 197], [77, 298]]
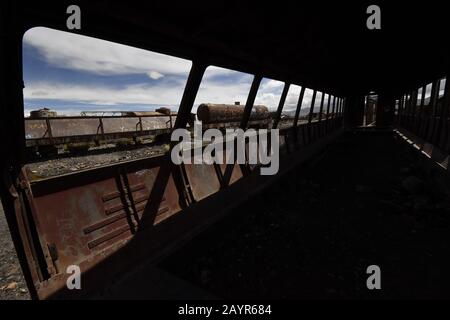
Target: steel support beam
[[281, 104], [189, 94], [243, 125], [250, 101], [299, 106]]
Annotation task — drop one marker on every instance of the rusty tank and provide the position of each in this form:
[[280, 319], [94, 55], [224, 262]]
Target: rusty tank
[[215, 113]]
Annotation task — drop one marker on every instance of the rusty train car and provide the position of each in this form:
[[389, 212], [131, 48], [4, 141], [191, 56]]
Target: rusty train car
[[111, 220], [46, 132]]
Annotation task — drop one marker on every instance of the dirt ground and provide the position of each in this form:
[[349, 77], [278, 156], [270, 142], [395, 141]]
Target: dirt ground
[[313, 234], [12, 283]]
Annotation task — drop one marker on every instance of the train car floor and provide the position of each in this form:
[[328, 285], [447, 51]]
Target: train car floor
[[313, 234]]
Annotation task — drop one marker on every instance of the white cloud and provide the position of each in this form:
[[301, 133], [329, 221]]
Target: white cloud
[[272, 84], [76, 52], [103, 95], [213, 71], [292, 98], [155, 75]]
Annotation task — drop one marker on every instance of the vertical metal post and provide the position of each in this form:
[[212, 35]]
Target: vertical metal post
[[243, 125], [333, 114], [49, 129], [140, 125], [406, 109], [322, 101], [424, 91], [311, 108], [340, 107], [437, 115], [319, 124], [339, 112], [310, 116], [418, 111], [422, 114], [297, 114], [250, 101], [189, 94], [327, 115], [400, 110], [414, 109], [184, 111], [445, 113], [102, 129], [433, 104], [281, 105], [299, 106], [402, 118], [409, 110]]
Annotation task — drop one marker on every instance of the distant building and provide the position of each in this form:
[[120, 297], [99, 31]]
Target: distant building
[[43, 113], [164, 110]]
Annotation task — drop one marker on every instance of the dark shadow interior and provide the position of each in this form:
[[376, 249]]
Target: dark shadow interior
[[366, 200]]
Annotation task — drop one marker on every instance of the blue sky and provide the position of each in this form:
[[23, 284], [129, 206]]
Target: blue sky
[[70, 73]]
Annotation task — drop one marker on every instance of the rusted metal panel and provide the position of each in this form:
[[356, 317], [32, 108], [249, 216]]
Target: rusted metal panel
[[87, 218], [141, 183], [113, 125], [35, 129], [157, 123], [97, 212], [73, 127], [203, 180]]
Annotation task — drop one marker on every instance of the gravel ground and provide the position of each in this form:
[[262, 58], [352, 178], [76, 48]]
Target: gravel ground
[[12, 283], [69, 164]]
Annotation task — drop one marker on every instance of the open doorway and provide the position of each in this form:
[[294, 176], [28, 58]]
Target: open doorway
[[370, 110]]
